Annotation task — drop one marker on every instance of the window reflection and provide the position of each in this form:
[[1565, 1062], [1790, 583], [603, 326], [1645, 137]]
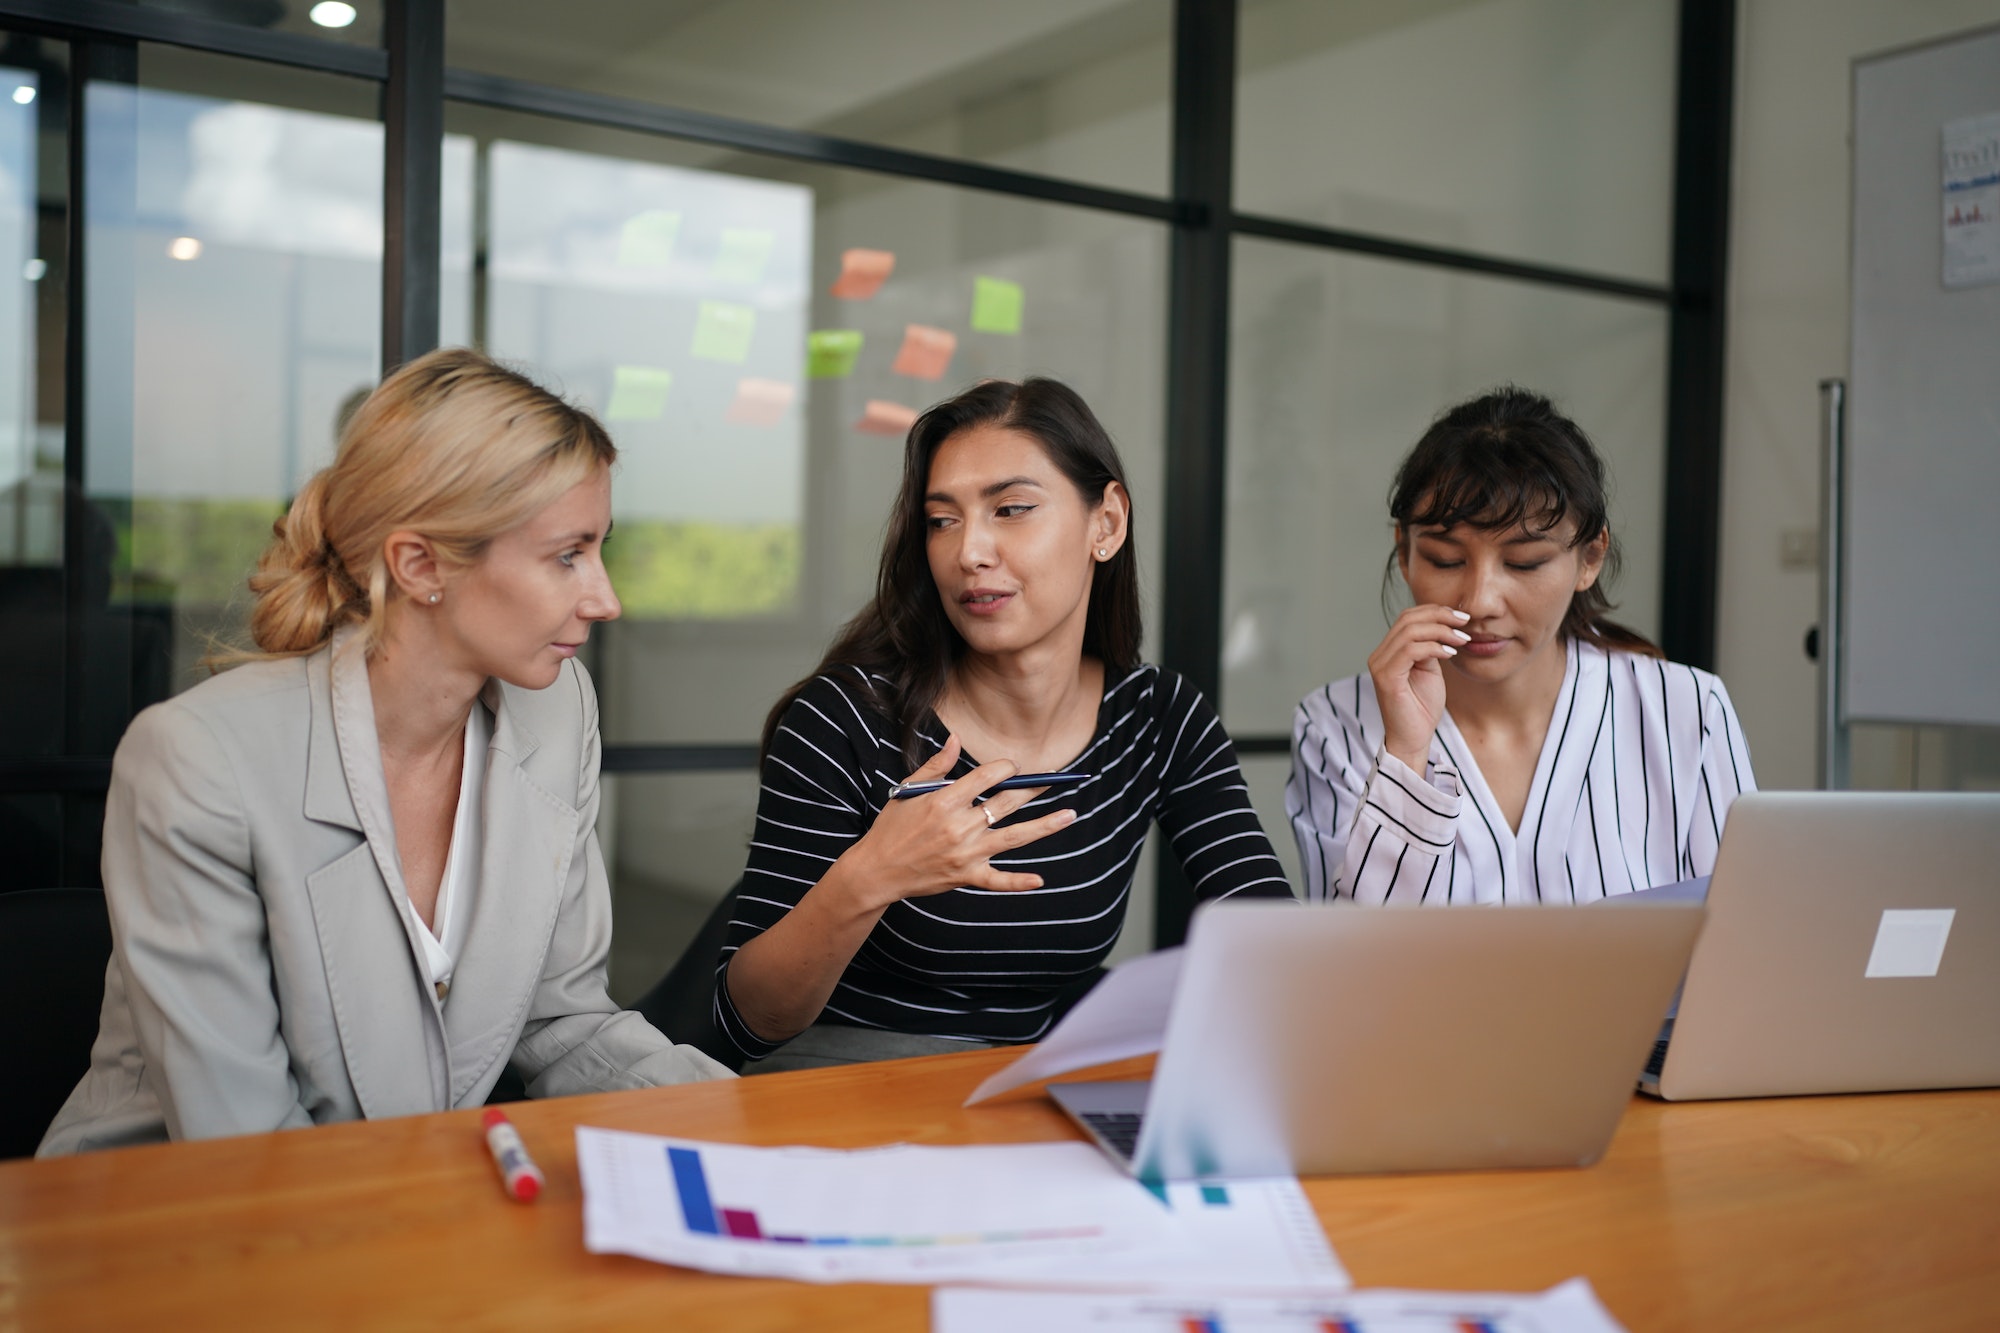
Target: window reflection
[[674, 303], [30, 454], [759, 334], [236, 252]]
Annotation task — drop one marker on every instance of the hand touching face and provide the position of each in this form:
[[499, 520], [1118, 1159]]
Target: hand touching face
[[1514, 586], [1489, 610]]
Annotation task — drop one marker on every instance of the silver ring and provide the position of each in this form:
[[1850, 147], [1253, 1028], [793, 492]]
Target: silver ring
[[987, 810]]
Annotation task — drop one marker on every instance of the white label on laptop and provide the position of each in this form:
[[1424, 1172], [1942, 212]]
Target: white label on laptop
[[1910, 944]]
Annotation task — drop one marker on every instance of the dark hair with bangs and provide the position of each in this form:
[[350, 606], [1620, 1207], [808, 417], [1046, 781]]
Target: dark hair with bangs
[[903, 636], [1507, 459]]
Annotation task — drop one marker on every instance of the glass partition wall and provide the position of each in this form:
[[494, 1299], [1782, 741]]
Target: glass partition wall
[[756, 239]]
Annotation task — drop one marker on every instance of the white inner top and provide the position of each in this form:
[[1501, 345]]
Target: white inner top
[[446, 936]]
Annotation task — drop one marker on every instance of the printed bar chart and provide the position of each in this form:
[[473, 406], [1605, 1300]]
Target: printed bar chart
[[704, 1217]]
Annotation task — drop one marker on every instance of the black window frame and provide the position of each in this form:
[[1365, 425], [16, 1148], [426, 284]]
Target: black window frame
[[416, 85]]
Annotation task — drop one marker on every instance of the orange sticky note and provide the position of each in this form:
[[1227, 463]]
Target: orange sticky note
[[862, 273], [760, 402], [926, 352], [885, 418]]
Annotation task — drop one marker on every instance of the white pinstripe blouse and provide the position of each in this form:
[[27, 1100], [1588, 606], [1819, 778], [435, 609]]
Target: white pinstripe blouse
[[1642, 760], [974, 963]]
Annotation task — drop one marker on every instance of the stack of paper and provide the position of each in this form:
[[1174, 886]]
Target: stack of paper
[[1033, 1214]]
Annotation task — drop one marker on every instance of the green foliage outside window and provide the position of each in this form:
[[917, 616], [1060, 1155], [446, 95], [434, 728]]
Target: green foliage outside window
[[201, 552]]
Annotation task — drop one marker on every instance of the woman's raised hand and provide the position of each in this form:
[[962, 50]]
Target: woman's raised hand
[[941, 840], [1407, 668]]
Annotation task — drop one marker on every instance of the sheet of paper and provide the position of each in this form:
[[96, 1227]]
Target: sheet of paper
[[742, 256], [996, 305], [1026, 1214], [1972, 201], [862, 273], [1123, 1015], [723, 329], [926, 352], [831, 353], [880, 417], [1243, 1236], [638, 393], [899, 1214], [647, 240], [1682, 891], [760, 402], [1570, 1308]]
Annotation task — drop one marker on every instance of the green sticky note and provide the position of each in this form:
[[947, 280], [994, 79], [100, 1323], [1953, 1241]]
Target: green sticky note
[[996, 305], [722, 331], [638, 393], [647, 241], [831, 353], [742, 256]]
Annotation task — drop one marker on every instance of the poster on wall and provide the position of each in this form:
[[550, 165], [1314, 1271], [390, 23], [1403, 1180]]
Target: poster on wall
[[1972, 201]]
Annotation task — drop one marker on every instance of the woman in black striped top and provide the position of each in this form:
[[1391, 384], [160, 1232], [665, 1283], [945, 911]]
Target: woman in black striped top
[[1005, 626]]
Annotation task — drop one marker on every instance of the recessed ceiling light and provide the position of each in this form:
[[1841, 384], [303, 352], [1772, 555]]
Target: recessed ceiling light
[[331, 13], [184, 247], [24, 94]]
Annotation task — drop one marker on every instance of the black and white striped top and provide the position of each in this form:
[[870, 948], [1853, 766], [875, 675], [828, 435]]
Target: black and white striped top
[[1642, 760], [976, 964]]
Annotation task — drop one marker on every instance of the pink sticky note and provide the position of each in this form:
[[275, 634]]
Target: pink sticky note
[[926, 352], [760, 402], [885, 418], [862, 273]]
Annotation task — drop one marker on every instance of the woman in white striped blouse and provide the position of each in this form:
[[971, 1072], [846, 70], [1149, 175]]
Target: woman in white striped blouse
[[1507, 742]]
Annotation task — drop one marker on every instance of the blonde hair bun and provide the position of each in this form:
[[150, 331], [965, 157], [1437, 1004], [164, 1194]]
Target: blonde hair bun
[[453, 445]]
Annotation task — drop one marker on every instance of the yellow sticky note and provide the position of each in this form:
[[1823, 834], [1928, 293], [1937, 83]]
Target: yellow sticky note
[[880, 417], [647, 240], [996, 305], [760, 402], [742, 256], [638, 393], [722, 331], [831, 353], [862, 273]]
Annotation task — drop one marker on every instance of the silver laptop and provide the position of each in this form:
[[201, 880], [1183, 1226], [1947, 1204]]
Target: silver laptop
[[1853, 945], [1314, 1040]]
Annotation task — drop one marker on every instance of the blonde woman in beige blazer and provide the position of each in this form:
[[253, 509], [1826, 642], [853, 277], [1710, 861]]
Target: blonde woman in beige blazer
[[311, 923]]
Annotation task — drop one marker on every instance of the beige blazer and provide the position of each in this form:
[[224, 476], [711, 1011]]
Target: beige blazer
[[265, 971]]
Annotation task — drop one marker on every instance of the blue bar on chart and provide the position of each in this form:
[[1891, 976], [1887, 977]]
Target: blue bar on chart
[[692, 1184]]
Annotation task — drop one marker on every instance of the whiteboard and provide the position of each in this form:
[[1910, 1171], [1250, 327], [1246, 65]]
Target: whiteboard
[[1921, 571]]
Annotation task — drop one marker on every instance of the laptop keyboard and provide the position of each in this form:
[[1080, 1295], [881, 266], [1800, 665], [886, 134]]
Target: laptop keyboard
[[1659, 1060], [1118, 1129]]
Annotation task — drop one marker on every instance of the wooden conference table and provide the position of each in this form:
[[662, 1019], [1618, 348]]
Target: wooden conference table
[[1822, 1212]]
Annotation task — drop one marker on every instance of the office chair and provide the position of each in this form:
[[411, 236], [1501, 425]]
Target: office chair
[[54, 945], [682, 1004]]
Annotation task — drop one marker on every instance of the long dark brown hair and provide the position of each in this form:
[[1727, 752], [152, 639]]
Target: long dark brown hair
[[904, 635], [1509, 458]]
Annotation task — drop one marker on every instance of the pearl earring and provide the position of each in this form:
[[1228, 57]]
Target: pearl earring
[[434, 598], [1103, 554]]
